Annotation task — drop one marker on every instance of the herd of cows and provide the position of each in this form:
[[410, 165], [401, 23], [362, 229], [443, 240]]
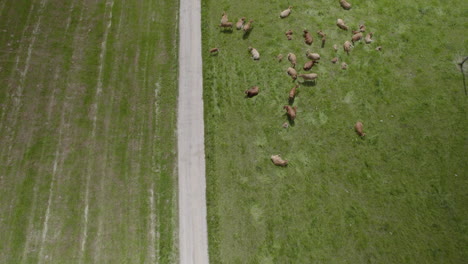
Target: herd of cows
[[313, 59]]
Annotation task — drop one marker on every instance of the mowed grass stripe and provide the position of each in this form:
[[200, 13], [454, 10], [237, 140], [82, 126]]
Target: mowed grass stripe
[[394, 197], [139, 151]]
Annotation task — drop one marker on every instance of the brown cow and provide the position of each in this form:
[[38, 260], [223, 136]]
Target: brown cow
[[291, 112], [347, 46], [345, 4], [344, 66], [240, 23], [224, 18], [279, 57], [308, 65], [368, 38], [292, 59], [286, 12], [214, 50], [289, 34], [248, 27], [227, 25], [340, 23], [359, 129], [334, 60], [253, 91], [293, 73], [312, 56], [362, 28], [278, 161], [356, 37], [335, 47], [308, 76], [307, 37], [292, 93], [320, 33]]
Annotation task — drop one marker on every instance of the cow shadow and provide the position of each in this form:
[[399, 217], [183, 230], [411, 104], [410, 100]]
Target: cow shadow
[[291, 121], [309, 83], [227, 30], [246, 34]]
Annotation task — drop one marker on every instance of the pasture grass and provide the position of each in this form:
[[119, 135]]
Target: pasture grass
[[396, 196]]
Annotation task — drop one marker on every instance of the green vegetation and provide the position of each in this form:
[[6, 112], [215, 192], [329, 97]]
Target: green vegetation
[[87, 121], [396, 196]]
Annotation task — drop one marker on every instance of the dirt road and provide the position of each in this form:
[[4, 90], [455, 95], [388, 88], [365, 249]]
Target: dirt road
[[193, 242]]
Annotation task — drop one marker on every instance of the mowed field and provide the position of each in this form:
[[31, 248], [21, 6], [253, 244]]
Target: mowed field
[[398, 195], [87, 131]]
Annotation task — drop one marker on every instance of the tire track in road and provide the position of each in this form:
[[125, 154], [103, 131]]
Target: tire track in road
[[193, 241]]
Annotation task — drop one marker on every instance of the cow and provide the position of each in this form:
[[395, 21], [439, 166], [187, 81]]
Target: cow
[[240, 23], [278, 161], [340, 23], [307, 37], [290, 112], [293, 73], [359, 129], [345, 4], [285, 13], [253, 91]]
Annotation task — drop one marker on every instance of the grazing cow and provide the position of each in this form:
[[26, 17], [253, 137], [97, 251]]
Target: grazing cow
[[240, 23], [291, 112], [320, 33], [344, 66], [356, 37], [379, 48], [312, 56], [224, 18], [293, 73], [227, 25], [340, 23], [368, 39], [248, 27], [279, 57], [334, 60], [214, 50], [335, 47], [307, 37], [308, 76], [255, 53], [345, 4], [308, 65], [362, 28], [323, 41], [278, 161], [286, 12], [292, 59], [253, 91], [289, 34], [359, 129], [292, 93], [347, 46]]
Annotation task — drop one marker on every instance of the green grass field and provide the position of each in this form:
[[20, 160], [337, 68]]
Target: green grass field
[[87, 131], [397, 196]]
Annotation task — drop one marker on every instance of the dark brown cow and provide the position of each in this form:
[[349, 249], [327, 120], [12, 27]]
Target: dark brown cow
[[253, 91], [291, 112], [307, 37]]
